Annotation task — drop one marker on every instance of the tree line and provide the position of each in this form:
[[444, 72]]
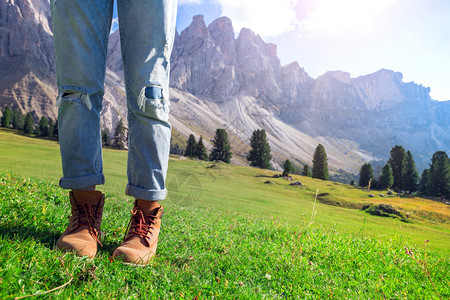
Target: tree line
[[400, 174], [46, 127], [259, 156], [15, 119]]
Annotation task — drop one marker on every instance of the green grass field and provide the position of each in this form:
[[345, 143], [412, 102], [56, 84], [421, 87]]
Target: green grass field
[[225, 234]]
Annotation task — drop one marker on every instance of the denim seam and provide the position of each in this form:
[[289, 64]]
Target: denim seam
[[131, 151]]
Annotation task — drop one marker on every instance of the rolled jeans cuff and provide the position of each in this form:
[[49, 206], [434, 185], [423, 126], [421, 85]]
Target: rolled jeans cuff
[[145, 194], [82, 182]]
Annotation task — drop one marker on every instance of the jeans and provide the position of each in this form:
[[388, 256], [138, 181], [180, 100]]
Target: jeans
[[80, 30]]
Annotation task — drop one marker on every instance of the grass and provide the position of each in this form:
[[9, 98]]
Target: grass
[[242, 189], [225, 234], [205, 253]]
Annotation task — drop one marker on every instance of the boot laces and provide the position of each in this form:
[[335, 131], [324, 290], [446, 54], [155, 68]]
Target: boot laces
[[141, 225], [87, 214]]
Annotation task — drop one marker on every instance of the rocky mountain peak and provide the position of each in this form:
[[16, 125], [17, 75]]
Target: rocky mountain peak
[[221, 28], [339, 76], [221, 31], [197, 29]]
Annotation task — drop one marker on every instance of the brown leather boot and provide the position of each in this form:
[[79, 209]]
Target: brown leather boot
[[141, 239], [82, 233]]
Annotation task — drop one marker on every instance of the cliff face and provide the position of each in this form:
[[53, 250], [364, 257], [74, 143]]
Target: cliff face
[[27, 59], [377, 111], [222, 81], [26, 56]]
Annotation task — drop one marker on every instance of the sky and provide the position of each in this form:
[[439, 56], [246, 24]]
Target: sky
[[356, 36]]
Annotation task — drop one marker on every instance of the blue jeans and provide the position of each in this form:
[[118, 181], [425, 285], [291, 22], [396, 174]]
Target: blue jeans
[[80, 30]]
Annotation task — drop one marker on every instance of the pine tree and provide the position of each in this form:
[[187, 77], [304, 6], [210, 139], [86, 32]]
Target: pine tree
[[366, 175], [18, 119], [105, 137], [259, 155], [51, 127], [396, 161], [119, 135], [320, 164], [43, 126], [386, 179], [6, 118], [352, 182], [221, 147], [439, 175], [191, 146], [176, 149], [28, 126], [55, 129], [423, 184], [410, 176], [200, 150], [306, 171], [288, 167]]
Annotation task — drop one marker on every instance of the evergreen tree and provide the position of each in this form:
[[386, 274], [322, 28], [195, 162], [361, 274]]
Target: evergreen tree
[[176, 149], [439, 175], [106, 141], [288, 167], [423, 184], [320, 164], [259, 155], [6, 118], [51, 127], [410, 175], [396, 161], [43, 126], [28, 125], [200, 150], [120, 135], [18, 119], [306, 171], [36, 130], [365, 175], [386, 179], [191, 146], [352, 182], [55, 129], [221, 147]]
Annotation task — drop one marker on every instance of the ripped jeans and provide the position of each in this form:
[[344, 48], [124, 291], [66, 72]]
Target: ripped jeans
[[80, 30]]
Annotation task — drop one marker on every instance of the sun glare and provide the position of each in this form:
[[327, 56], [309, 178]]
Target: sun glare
[[334, 16]]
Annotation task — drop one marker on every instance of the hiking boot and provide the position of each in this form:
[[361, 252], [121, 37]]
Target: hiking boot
[[82, 233], [141, 239]]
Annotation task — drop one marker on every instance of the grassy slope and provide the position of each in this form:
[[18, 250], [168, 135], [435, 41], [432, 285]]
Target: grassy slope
[[219, 237], [242, 189]]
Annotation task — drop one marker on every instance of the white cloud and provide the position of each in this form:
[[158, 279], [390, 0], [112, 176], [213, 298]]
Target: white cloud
[[335, 16], [189, 2], [268, 18]]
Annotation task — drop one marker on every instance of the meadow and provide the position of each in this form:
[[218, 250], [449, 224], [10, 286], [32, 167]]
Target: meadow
[[226, 233]]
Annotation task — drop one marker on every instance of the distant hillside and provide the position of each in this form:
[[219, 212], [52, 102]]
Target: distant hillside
[[239, 84]]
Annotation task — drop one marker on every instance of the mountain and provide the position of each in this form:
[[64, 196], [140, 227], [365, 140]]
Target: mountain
[[27, 59], [375, 112], [238, 83]]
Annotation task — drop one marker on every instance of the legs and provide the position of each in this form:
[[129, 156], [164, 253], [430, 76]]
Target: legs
[[147, 31], [80, 31]]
